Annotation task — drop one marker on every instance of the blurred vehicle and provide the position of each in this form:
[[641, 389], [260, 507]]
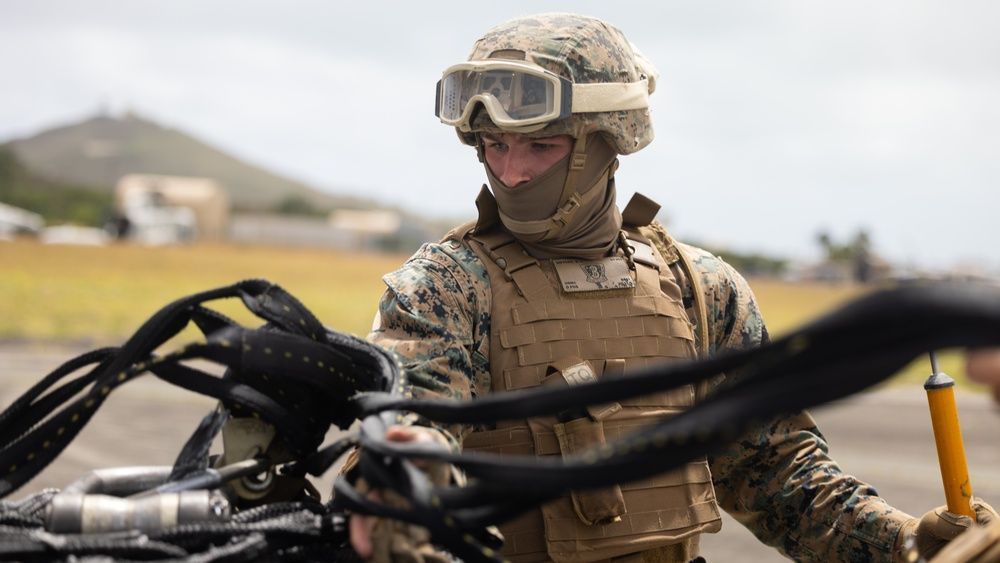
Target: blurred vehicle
[[153, 209], [15, 221]]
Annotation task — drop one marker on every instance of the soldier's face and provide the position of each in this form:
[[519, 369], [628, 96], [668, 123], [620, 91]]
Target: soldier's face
[[515, 159]]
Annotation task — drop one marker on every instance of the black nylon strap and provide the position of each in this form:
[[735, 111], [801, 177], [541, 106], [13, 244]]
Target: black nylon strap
[[271, 302], [193, 457], [20, 415], [312, 376]]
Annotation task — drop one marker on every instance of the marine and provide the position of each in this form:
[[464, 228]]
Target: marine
[[554, 284]]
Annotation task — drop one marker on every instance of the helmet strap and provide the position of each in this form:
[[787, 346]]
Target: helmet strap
[[570, 201], [480, 149]]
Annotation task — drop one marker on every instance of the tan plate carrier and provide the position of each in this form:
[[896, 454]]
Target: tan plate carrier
[[538, 330]]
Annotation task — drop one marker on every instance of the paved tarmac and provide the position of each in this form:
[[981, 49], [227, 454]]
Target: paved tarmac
[[883, 437]]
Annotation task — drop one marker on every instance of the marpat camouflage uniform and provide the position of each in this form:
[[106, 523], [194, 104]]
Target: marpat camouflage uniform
[[777, 479]]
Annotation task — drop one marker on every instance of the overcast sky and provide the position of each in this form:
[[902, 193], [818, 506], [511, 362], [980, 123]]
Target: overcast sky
[[773, 119]]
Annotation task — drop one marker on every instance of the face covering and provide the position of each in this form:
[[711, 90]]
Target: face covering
[[563, 214]]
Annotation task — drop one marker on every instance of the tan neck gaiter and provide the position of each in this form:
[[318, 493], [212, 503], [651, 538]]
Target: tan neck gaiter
[[589, 232]]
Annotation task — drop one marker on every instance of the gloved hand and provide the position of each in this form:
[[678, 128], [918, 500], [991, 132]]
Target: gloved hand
[[399, 542], [938, 527], [383, 540], [978, 545]]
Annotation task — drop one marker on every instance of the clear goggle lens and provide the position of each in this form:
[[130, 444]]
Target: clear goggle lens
[[512, 96]]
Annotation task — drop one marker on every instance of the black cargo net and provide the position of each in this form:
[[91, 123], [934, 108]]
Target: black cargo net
[[301, 378]]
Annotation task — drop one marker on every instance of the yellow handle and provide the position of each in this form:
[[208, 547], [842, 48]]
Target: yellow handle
[[950, 450]]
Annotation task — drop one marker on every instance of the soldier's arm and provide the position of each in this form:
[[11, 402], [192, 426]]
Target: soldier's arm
[[778, 478], [430, 318], [779, 481]]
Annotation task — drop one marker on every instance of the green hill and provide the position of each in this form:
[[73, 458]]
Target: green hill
[[56, 201], [100, 150]]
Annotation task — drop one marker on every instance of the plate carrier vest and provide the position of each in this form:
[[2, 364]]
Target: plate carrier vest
[[545, 329]]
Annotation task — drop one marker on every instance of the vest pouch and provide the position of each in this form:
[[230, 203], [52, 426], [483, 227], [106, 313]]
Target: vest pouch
[[595, 506]]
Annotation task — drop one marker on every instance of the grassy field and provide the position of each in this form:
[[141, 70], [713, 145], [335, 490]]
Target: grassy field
[[98, 296]]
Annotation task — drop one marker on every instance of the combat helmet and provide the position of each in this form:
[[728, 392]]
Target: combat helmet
[[551, 74]]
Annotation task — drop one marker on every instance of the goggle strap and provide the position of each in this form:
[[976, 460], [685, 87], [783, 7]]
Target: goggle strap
[[610, 96]]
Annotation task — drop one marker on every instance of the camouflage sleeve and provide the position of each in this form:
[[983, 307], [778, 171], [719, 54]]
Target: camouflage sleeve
[[429, 318], [734, 321], [778, 479]]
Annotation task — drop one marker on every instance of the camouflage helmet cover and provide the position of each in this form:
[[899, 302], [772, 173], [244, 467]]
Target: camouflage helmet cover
[[584, 50]]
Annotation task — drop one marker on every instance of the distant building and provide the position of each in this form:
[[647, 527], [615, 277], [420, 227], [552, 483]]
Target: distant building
[[373, 222], [344, 229], [828, 271], [869, 269], [365, 229], [286, 230], [159, 209]]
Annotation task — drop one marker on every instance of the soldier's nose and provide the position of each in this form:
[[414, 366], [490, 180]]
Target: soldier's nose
[[514, 173]]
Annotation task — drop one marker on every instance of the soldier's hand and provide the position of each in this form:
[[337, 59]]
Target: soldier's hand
[[366, 531], [938, 527]]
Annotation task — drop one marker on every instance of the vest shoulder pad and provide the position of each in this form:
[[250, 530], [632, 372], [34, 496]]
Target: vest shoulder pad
[[673, 254], [460, 232], [658, 236]]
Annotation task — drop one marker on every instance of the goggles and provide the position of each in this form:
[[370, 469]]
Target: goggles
[[524, 97]]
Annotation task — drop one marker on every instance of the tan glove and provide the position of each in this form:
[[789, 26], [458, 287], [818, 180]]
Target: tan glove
[[978, 545], [384, 540], [399, 542], [938, 527]]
